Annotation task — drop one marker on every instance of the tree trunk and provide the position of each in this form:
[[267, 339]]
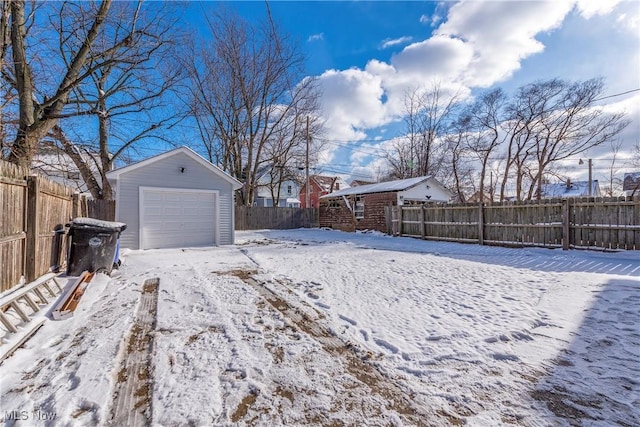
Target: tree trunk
[[36, 120]]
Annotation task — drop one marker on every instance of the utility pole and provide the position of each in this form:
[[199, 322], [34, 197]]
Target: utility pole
[[307, 169], [590, 178]]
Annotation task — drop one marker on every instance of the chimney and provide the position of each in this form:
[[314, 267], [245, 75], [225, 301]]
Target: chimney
[[568, 183]]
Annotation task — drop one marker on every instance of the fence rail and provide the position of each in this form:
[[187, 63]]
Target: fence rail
[[32, 208], [606, 223], [258, 218]]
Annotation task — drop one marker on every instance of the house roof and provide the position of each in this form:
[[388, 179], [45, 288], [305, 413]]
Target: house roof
[[631, 181], [381, 187], [570, 189], [324, 182], [357, 182], [115, 174]]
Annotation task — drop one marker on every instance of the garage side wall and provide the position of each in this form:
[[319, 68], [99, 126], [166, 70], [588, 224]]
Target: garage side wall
[[339, 217], [430, 191], [166, 173]]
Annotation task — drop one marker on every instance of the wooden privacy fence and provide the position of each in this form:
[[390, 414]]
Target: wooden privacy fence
[[607, 223], [258, 218], [32, 208]]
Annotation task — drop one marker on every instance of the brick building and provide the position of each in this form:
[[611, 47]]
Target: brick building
[[319, 186], [363, 207]]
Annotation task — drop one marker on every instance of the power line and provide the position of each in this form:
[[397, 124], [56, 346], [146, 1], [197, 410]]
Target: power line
[[617, 94]]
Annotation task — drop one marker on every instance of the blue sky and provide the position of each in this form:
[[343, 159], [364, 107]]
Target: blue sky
[[366, 54]]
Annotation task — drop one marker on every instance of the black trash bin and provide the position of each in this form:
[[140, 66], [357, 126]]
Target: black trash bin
[[93, 245]]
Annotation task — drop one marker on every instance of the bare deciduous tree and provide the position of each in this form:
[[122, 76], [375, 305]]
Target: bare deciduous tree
[[39, 114], [461, 171], [287, 151], [115, 70], [246, 92], [126, 92], [614, 182], [428, 115], [484, 134], [571, 125], [549, 121]]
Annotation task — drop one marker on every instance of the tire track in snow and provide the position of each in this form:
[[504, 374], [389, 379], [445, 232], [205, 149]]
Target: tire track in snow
[[357, 363]]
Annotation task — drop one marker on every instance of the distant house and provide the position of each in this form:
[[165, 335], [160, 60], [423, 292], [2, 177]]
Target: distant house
[[54, 163], [563, 190], [288, 196], [631, 184], [319, 186], [476, 197], [363, 207]]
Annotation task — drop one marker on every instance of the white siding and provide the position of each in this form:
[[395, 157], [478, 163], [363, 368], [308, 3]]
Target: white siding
[[226, 217], [165, 173], [420, 192]]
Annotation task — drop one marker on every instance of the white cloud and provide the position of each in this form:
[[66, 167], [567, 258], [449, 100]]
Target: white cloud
[[435, 19], [590, 8], [437, 57], [501, 34], [352, 101], [394, 42], [316, 37], [479, 45]]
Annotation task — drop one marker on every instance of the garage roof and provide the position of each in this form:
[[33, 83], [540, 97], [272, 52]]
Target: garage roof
[[115, 174], [381, 187]]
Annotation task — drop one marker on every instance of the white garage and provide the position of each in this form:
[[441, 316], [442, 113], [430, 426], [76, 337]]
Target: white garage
[[177, 217], [176, 199]]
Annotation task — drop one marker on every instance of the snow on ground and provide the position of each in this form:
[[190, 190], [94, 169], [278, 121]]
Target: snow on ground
[[320, 327]]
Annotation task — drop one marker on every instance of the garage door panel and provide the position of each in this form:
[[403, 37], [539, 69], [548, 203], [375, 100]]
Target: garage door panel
[[177, 218], [153, 197], [169, 211]]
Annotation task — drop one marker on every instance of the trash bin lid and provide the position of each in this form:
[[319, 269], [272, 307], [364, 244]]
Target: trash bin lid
[[98, 223]]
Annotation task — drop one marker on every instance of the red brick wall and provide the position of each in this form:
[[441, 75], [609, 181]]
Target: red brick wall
[[314, 195], [374, 213]]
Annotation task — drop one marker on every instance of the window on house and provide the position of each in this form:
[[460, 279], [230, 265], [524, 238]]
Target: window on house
[[289, 189], [73, 175], [334, 203], [359, 207]]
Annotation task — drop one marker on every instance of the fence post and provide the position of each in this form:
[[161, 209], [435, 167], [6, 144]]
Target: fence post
[[399, 220], [565, 225], [75, 209], [31, 242], [422, 226], [481, 223], [388, 215]]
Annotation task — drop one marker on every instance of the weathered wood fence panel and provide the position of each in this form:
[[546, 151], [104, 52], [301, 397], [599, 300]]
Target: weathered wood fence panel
[[258, 218], [13, 190], [101, 209], [606, 223], [52, 208], [32, 208]]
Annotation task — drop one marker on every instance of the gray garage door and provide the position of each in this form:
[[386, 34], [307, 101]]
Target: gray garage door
[[177, 218]]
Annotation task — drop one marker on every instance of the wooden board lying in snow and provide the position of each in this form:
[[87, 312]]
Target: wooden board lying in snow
[[134, 384]]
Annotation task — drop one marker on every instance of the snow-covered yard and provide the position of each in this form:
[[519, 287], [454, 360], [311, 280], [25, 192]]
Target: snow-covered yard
[[319, 327]]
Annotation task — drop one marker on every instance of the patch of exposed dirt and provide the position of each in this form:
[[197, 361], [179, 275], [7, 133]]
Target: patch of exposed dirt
[[557, 402], [211, 329], [287, 394], [356, 362], [452, 419], [243, 408], [239, 273]]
